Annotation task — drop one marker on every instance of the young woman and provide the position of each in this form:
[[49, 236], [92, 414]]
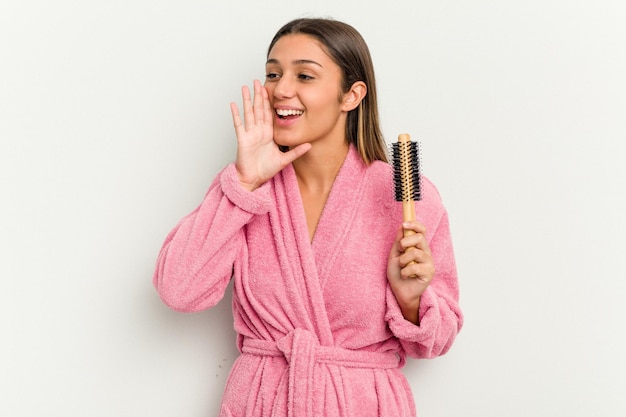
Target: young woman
[[326, 303]]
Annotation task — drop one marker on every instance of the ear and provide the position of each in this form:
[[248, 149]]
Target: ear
[[354, 96]]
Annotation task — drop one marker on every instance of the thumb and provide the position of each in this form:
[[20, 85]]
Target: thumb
[[395, 249], [295, 153]]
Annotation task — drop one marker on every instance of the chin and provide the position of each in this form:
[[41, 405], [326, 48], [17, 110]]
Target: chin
[[286, 141]]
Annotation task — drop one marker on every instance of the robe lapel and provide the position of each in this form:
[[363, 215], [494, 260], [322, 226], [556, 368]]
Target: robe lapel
[[301, 255], [339, 213], [312, 261]]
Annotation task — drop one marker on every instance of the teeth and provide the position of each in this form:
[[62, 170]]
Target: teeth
[[290, 112]]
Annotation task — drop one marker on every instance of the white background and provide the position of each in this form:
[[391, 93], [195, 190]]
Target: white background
[[114, 119]]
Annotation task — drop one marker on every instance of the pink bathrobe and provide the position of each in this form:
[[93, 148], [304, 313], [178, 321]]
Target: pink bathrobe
[[319, 330]]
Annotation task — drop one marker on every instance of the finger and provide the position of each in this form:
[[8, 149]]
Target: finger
[[416, 240], [415, 226], [234, 110], [422, 272], [248, 112], [258, 104], [268, 114], [414, 255]]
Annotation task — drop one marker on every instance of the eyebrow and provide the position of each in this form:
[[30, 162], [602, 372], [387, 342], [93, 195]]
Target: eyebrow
[[296, 62]]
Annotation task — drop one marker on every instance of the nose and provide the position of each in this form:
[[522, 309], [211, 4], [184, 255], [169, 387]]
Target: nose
[[282, 88]]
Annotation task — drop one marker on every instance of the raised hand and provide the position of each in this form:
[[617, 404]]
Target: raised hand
[[258, 156]]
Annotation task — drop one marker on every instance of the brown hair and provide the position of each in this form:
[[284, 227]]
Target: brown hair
[[347, 48]]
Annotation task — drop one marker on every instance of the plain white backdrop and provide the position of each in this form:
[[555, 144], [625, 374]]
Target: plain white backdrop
[[114, 118]]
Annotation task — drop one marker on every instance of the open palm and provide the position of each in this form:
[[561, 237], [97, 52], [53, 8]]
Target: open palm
[[258, 156]]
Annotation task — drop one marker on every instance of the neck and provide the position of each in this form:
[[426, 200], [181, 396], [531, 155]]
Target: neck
[[316, 170]]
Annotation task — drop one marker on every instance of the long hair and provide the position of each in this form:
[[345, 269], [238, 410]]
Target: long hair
[[347, 48]]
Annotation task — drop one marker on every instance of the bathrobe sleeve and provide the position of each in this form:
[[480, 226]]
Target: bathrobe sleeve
[[196, 260], [440, 317]]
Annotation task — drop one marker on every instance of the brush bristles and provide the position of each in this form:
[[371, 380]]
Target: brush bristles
[[407, 176]]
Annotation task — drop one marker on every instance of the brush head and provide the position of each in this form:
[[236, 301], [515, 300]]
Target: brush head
[[407, 175]]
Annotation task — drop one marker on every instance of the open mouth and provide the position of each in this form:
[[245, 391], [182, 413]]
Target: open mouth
[[287, 114]]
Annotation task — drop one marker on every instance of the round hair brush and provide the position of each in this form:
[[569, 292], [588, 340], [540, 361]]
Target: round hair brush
[[407, 176]]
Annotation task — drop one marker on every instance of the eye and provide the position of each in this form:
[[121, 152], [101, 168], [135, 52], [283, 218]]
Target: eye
[[304, 77], [272, 76]]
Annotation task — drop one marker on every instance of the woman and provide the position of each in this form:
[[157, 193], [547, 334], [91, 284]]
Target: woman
[[326, 303]]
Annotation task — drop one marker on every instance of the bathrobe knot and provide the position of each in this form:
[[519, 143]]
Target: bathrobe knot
[[304, 354]]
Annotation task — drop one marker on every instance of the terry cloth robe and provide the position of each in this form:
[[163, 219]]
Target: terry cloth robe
[[319, 330]]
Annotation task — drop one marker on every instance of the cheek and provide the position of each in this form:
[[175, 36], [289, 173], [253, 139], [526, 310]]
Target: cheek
[[270, 91], [325, 101]]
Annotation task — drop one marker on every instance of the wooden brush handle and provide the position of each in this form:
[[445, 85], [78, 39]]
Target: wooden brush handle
[[408, 215]]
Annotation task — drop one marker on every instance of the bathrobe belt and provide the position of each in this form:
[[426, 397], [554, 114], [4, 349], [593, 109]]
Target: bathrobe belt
[[303, 352]]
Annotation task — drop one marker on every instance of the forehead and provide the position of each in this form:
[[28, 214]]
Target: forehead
[[298, 46]]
